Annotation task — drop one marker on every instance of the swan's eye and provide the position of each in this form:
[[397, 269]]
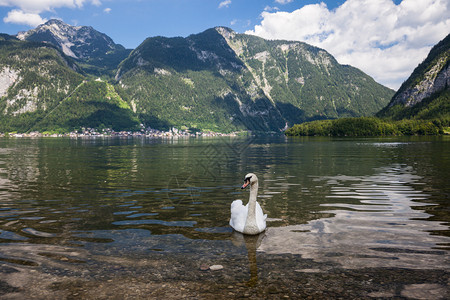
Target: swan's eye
[[247, 179]]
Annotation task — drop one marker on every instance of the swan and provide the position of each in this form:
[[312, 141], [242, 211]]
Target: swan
[[248, 219]]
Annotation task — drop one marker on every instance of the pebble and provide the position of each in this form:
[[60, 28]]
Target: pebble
[[216, 267], [204, 267]]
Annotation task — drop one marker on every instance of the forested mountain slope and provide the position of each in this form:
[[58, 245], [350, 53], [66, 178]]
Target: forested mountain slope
[[34, 78], [221, 80], [216, 80], [426, 93]]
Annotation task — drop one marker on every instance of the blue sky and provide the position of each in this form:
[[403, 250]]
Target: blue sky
[[129, 22], [384, 38]]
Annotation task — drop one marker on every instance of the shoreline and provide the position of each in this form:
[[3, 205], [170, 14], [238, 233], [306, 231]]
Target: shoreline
[[110, 133]]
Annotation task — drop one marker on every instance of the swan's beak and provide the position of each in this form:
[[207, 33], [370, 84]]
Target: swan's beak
[[246, 183]]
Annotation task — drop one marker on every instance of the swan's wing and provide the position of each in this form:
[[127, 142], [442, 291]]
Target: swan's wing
[[260, 217], [236, 204], [238, 215]]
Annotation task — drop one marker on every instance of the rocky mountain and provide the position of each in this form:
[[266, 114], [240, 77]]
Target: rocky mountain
[[221, 80], [79, 42], [83, 43], [34, 78], [40, 90], [216, 80], [426, 93]]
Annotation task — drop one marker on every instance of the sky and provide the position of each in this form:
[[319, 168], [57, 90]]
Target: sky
[[386, 39]]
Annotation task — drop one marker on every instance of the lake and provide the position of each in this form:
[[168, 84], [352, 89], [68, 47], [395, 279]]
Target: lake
[[136, 218]]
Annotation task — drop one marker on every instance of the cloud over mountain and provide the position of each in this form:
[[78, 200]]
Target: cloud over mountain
[[381, 38], [28, 12], [17, 16]]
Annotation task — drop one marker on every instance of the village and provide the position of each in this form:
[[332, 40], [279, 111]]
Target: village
[[108, 132]]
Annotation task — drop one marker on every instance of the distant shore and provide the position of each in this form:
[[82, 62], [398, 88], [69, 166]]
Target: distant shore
[[91, 132]]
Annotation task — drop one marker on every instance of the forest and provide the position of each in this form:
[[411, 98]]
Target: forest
[[370, 126]]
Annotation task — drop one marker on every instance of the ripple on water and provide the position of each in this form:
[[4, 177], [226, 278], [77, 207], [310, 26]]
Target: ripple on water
[[383, 230], [125, 212], [38, 233], [142, 215], [8, 235], [155, 222]]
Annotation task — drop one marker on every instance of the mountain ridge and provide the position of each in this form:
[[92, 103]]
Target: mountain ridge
[[74, 41], [259, 82], [96, 53], [420, 107], [216, 80], [425, 94]]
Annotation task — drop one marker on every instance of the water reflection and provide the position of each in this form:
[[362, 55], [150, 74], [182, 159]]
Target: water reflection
[[377, 222], [251, 242]]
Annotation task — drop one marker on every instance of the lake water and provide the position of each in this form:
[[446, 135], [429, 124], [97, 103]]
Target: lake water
[[144, 218]]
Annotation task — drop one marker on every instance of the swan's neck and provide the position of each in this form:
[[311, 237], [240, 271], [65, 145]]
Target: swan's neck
[[250, 223]]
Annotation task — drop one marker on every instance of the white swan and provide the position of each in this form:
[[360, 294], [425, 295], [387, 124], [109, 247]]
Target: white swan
[[248, 219]]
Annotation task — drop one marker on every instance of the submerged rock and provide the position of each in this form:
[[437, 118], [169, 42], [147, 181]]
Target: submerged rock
[[216, 267]]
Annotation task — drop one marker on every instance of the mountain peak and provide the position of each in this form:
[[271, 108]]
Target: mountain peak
[[81, 42], [54, 21], [225, 32]]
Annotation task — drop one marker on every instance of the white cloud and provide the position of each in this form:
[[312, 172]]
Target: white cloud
[[270, 8], [19, 17], [27, 11], [225, 3], [107, 10], [385, 40], [283, 1], [38, 6]]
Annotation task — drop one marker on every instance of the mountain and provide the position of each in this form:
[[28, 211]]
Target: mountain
[[34, 78], [97, 50], [6, 37], [81, 42], [41, 90], [216, 80], [426, 93], [220, 80]]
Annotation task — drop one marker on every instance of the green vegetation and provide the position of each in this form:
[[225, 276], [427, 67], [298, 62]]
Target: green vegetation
[[50, 96], [197, 100], [43, 78], [93, 104], [206, 82], [308, 83], [430, 116], [435, 107], [104, 66], [369, 126]]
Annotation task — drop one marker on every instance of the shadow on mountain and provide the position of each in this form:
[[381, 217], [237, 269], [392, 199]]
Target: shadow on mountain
[[107, 115], [93, 114], [154, 122], [198, 52], [291, 113]]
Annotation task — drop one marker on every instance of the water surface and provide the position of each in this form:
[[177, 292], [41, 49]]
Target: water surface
[[139, 218]]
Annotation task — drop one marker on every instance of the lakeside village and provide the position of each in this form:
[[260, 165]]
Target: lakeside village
[[108, 132]]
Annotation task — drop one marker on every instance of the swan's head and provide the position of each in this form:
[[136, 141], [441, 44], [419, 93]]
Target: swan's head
[[249, 179]]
